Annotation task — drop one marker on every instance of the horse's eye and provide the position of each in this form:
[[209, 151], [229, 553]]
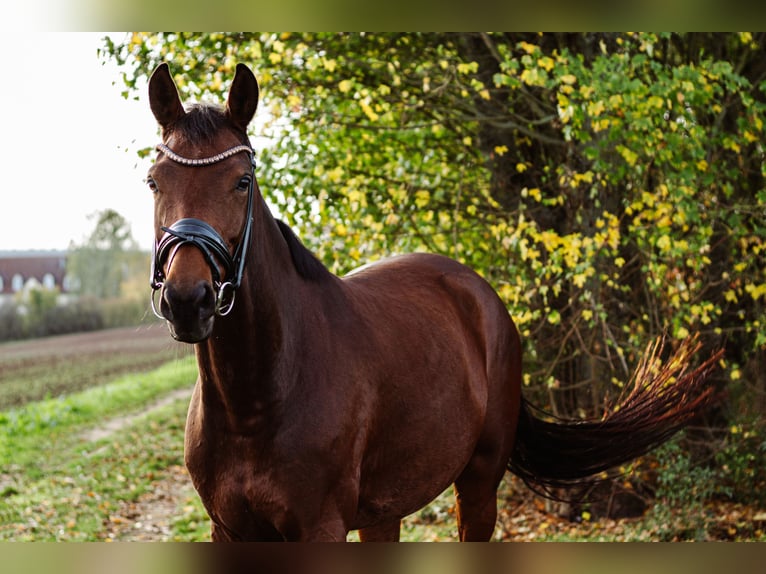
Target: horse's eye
[[244, 183], [152, 184]]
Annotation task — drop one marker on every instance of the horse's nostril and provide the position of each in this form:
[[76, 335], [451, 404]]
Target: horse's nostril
[[205, 299], [195, 303]]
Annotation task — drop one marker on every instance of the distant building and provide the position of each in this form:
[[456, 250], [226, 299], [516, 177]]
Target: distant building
[[23, 269]]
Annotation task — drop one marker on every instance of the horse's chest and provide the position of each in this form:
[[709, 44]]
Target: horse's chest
[[238, 490]]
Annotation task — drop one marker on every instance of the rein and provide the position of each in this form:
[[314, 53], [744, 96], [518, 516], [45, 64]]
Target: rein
[[202, 236]]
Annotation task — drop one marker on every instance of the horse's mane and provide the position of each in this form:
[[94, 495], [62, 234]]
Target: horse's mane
[[306, 263], [201, 122]]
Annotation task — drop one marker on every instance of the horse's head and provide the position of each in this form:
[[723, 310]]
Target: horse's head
[[203, 185]]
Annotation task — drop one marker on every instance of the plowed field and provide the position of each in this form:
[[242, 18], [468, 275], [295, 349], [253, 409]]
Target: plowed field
[[49, 367]]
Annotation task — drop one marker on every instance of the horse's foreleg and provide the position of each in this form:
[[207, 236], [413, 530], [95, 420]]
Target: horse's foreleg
[[388, 532]]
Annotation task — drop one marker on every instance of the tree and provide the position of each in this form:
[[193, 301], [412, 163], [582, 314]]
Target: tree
[[106, 258], [609, 186]]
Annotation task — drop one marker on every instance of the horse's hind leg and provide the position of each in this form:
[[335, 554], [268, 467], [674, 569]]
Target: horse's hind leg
[[476, 487], [476, 496], [388, 532]]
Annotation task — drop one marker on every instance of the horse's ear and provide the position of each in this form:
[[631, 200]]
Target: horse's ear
[[163, 97], [243, 97]]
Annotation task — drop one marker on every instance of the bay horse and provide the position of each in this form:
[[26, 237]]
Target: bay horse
[[328, 404]]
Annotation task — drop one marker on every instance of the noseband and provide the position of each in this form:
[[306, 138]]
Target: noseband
[[190, 231]]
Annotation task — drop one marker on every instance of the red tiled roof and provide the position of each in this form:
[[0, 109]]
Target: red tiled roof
[[29, 264]]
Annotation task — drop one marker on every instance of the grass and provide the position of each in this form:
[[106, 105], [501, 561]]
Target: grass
[[55, 485]]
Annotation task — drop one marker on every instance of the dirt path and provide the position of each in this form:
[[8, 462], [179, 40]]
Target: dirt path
[[116, 424], [150, 517]]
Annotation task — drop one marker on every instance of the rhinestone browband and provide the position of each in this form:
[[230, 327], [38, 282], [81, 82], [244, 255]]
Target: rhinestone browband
[[205, 160]]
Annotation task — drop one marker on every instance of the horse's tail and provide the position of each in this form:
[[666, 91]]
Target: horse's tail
[[663, 398]]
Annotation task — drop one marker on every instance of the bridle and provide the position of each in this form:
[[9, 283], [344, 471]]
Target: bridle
[[202, 235]]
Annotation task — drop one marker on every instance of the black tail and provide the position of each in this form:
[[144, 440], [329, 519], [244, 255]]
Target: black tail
[[663, 398]]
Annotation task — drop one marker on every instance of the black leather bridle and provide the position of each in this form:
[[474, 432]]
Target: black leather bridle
[[190, 231]]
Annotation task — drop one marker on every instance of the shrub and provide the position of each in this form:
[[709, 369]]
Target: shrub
[[682, 485], [42, 316], [741, 464]]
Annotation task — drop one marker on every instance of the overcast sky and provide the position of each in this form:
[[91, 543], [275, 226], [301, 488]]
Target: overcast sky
[[68, 142]]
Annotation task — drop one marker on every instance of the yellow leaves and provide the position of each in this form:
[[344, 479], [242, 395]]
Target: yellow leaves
[[335, 174], [345, 86], [564, 109], [392, 219], [630, 156], [663, 243], [545, 63], [422, 197], [527, 47], [747, 39], [579, 279], [595, 108], [398, 194], [293, 101], [586, 177], [329, 65], [568, 79], [586, 92], [655, 102], [616, 101], [756, 291], [534, 193], [729, 143], [368, 111], [601, 124], [533, 77], [501, 150]]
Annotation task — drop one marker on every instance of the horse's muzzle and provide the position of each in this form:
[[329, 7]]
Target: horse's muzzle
[[189, 310]]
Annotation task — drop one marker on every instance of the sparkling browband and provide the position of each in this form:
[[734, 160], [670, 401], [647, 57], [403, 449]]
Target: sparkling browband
[[205, 160]]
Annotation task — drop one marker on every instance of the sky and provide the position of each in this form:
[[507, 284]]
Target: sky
[[68, 142]]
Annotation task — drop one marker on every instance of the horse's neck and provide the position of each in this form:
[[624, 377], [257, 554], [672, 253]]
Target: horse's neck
[[245, 358]]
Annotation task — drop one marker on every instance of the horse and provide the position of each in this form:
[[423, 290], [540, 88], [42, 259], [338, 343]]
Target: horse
[[329, 404]]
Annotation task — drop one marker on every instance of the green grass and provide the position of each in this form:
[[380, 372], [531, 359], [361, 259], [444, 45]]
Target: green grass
[[53, 418], [55, 485]]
